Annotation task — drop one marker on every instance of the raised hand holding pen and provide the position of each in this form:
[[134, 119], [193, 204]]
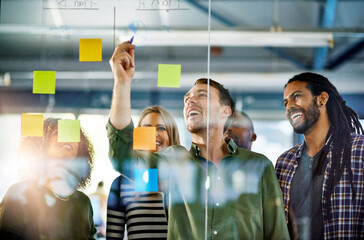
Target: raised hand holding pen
[[122, 61], [123, 68]]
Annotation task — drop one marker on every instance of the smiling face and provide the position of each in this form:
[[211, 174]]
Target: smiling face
[[302, 109], [155, 120], [195, 109], [61, 150]]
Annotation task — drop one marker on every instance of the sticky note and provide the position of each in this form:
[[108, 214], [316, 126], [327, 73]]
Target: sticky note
[[32, 125], [144, 138], [146, 180], [69, 130], [90, 50], [44, 82], [169, 75]]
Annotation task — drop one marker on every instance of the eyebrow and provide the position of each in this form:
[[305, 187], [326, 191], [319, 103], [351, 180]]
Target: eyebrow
[[187, 94], [298, 91], [202, 90], [199, 91]]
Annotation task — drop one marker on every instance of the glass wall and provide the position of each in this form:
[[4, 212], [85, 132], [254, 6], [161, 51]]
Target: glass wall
[[60, 59]]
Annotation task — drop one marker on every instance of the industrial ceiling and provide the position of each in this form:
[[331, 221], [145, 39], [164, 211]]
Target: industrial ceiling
[[44, 35]]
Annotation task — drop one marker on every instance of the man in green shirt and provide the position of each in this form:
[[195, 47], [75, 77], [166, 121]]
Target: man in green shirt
[[214, 191]]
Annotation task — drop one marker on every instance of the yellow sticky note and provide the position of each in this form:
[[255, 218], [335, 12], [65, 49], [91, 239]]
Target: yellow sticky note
[[144, 138], [169, 75], [44, 82], [91, 50], [69, 130], [32, 125]]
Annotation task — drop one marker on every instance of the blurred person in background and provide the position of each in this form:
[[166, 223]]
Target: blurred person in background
[[241, 130], [99, 204], [143, 213], [322, 178], [47, 204]]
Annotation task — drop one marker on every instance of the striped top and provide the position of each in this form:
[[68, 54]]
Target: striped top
[[143, 213]]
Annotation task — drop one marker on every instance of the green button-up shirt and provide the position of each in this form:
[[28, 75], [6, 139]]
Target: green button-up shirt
[[241, 198]]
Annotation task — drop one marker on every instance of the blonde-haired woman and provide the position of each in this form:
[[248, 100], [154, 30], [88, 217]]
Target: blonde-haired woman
[[143, 213]]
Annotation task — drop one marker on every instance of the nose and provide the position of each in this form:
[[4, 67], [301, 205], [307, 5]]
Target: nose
[[191, 99], [288, 105]]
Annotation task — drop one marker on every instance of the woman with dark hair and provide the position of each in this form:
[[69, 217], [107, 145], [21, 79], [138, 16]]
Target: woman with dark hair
[[143, 213], [47, 205]]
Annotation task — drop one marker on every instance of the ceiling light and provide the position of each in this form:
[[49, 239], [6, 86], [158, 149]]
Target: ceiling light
[[239, 39]]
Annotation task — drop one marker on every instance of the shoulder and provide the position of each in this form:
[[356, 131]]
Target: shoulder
[[20, 188], [24, 192], [81, 197], [289, 154], [250, 155], [120, 181], [173, 148], [255, 162], [357, 140], [173, 152]]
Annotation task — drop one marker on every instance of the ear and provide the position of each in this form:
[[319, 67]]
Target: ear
[[227, 111], [323, 98], [253, 138]]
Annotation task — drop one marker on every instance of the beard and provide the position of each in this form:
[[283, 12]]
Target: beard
[[201, 126], [311, 116]]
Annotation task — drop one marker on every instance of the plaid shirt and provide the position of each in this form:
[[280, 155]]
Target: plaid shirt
[[347, 221]]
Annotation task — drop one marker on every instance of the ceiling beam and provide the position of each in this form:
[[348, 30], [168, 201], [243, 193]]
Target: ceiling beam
[[326, 21], [346, 55], [214, 14]]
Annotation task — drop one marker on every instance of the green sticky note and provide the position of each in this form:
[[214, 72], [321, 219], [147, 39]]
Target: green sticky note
[[169, 75], [69, 130], [90, 50], [32, 125], [44, 82]]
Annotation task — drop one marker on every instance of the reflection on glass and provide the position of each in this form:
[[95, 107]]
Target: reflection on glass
[[47, 204]]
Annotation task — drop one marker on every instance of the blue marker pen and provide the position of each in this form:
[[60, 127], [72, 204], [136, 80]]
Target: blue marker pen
[[131, 40]]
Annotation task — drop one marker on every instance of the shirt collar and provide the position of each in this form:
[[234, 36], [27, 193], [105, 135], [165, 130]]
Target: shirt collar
[[231, 146], [300, 149]]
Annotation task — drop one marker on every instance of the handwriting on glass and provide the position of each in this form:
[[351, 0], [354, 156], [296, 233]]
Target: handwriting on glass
[[77, 4], [61, 32], [161, 5]]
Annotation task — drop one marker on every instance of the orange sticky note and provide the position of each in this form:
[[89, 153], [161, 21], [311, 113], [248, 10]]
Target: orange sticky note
[[44, 82], [90, 50], [144, 138], [32, 125]]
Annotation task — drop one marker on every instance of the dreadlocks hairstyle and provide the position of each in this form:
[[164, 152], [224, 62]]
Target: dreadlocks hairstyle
[[36, 148], [343, 122]]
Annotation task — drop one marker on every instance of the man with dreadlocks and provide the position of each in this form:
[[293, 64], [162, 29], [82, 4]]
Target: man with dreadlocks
[[322, 178]]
